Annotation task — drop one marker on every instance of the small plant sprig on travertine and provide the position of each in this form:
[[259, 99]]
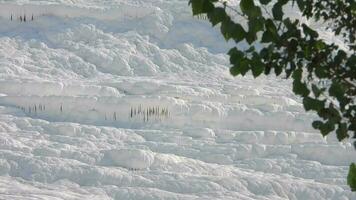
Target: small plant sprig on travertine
[[151, 113]]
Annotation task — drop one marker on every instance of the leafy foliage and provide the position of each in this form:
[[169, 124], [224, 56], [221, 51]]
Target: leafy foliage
[[351, 178], [323, 74]]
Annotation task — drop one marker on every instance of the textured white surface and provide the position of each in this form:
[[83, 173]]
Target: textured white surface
[[69, 79]]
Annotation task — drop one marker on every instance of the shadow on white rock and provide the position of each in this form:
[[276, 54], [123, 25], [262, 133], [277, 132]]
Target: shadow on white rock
[[128, 158], [199, 132]]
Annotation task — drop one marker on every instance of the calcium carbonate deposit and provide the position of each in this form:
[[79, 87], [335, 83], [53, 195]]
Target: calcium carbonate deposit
[[132, 99]]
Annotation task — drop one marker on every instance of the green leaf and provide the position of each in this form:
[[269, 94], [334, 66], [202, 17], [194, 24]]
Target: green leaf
[[251, 37], [255, 12], [320, 72], [234, 71], [257, 66], [267, 37], [320, 45], [257, 70], [270, 26], [217, 16], [313, 104], [246, 6], [301, 4], [278, 69], [336, 90], [325, 128], [341, 55], [264, 53], [277, 11], [265, 2], [271, 33], [317, 124], [307, 52], [226, 29], [300, 88], [243, 66], [201, 6], [352, 127], [333, 114], [351, 62], [268, 68], [231, 30], [297, 74], [288, 23], [351, 177], [282, 2], [255, 25], [341, 132], [309, 31], [292, 46], [237, 32], [240, 64], [235, 55]]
